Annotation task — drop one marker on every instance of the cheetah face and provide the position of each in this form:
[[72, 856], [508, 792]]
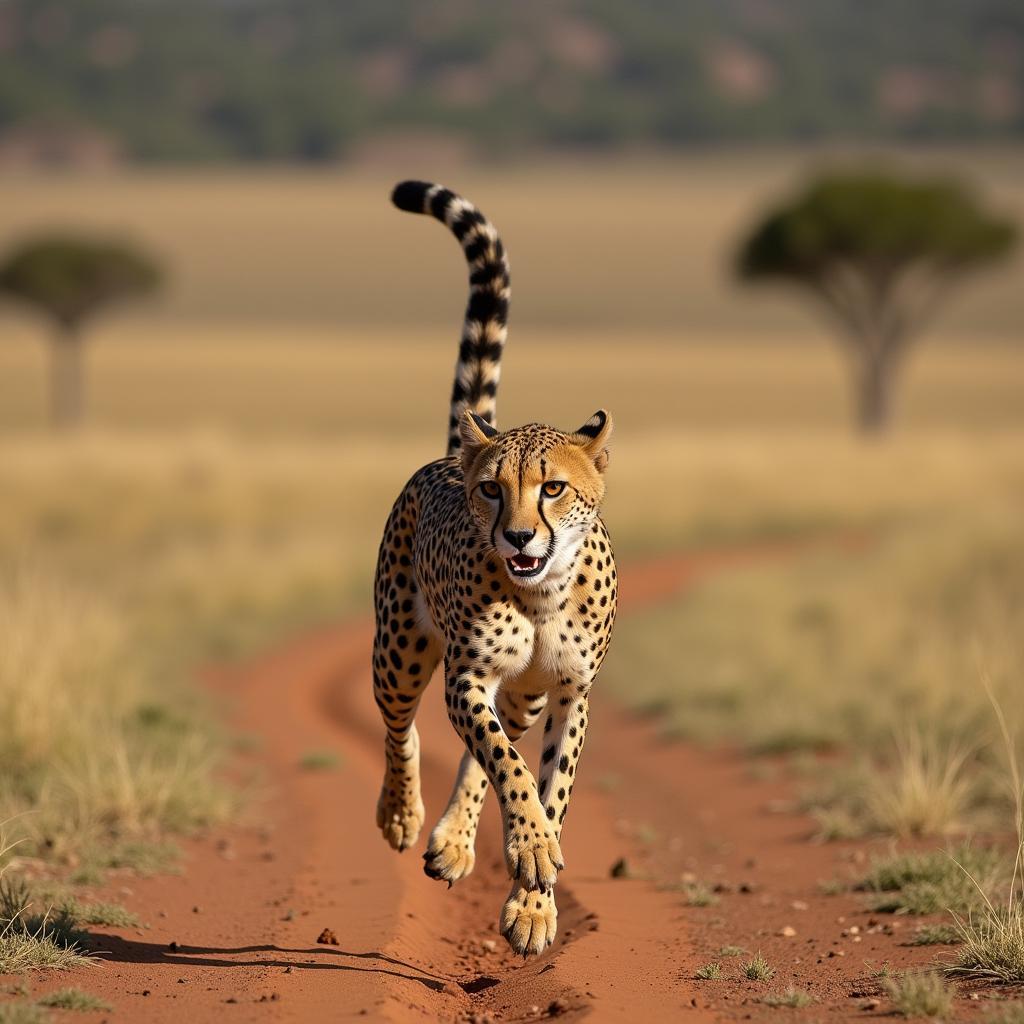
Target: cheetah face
[[534, 492]]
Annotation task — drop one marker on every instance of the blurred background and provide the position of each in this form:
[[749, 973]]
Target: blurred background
[[222, 352]]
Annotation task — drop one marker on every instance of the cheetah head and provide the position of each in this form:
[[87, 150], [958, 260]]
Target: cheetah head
[[534, 492]]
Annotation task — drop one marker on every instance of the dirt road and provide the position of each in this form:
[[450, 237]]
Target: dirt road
[[234, 937]]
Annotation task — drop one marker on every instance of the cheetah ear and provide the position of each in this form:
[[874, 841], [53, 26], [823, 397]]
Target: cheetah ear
[[593, 438], [475, 432]]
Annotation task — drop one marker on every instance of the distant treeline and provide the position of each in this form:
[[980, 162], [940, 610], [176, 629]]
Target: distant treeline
[[310, 79]]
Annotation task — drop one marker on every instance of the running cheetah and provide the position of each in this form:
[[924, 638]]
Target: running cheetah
[[495, 559]]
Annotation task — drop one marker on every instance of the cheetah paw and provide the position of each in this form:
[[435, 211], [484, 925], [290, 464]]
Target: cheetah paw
[[449, 856], [529, 920], [398, 819], [534, 861]]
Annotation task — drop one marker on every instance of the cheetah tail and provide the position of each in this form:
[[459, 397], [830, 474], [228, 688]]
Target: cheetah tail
[[486, 324]]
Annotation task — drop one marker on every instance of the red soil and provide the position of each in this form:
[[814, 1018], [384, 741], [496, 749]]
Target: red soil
[[245, 932]]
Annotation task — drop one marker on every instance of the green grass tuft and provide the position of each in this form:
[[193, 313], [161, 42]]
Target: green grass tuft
[[758, 969], [794, 998], [22, 1013], [73, 999], [832, 887], [107, 915], [28, 951], [731, 951], [993, 943], [320, 761], [709, 972], [931, 883], [993, 937], [1009, 1013], [142, 857], [699, 895], [936, 935], [920, 995], [29, 940]]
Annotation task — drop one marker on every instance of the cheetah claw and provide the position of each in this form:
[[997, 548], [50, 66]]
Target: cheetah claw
[[446, 860], [529, 921]]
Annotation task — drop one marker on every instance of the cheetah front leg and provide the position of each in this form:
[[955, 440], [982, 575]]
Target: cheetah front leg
[[532, 854], [564, 733], [450, 853], [529, 918]]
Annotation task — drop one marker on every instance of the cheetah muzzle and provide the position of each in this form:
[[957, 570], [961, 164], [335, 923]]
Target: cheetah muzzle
[[496, 563]]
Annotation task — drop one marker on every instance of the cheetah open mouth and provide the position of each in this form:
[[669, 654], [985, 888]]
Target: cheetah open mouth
[[525, 566]]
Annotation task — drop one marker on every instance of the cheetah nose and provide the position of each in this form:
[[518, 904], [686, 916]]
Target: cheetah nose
[[519, 538]]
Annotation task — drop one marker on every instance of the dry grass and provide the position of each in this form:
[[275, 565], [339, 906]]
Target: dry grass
[[73, 999], [82, 748], [1009, 1013], [932, 883], [22, 1013], [731, 951], [927, 792], [935, 935], [993, 935], [123, 563], [993, 943], [30, 951], [871, 651], [758, 969], [638, 243], [318, 381], [32, 941], [792, 998], [920, 995], [320, 761]]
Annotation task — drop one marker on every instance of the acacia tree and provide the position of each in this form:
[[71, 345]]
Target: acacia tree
[[69, 280], [879, 253]]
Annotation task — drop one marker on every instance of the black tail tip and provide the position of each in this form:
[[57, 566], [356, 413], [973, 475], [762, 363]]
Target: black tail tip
[[410, 195]]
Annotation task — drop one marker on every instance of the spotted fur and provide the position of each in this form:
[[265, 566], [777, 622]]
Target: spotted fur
[[495, 561]]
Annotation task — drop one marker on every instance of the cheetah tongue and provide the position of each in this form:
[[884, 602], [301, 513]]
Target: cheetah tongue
[[524, 562]]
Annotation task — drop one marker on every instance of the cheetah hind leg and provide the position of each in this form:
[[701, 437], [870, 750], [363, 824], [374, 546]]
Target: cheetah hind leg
[[451, 852], [400, 810]]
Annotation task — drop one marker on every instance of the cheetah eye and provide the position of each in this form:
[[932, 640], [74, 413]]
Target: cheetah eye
[[489, 489], [553, 488]]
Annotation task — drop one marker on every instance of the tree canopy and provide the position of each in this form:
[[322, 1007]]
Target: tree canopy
[[880, 251], [69, 278], [878, 222], [877, 248]]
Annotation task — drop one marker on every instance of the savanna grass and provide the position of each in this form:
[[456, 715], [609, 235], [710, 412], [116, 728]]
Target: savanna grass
[[1008, 1013], [864, 643], [709, 972], [926, 994], [791, 998], [72, 999], [936, 935], [993, 932], [31, 939], [18, 1012], [930, 883], [758, 969]]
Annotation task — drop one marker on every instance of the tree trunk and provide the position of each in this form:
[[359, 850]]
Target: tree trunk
[[66, 378], [877, 375]]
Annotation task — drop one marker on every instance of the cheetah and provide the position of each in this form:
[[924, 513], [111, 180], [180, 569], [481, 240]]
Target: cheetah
[[496, 561]]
